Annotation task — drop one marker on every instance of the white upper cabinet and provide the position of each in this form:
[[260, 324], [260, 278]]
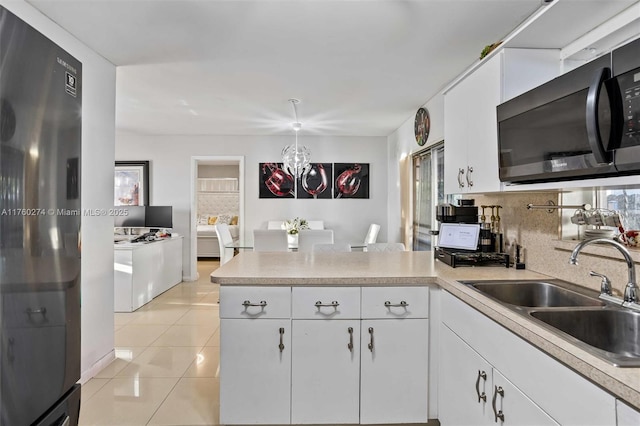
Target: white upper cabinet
[[471, 130]]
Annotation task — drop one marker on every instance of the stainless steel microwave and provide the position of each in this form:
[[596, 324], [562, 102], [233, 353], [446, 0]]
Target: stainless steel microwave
[[582, 124]]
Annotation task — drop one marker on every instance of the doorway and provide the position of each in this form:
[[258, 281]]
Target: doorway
[[214, 175]]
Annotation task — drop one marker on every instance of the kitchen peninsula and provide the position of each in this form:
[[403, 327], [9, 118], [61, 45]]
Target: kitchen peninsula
[[280, 312]]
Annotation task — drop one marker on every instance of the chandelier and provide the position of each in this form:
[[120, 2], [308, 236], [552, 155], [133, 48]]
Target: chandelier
[[296, 159]]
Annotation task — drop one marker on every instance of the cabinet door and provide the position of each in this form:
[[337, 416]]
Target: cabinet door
[[325, 371], [455, 136], [512, 407], [255, 371], [483, 93], [626, 415], [464, 383], [394, 371]]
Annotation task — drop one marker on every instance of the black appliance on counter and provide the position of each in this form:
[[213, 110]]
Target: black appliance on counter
[[464, 212], [40, 142], [582, 124]]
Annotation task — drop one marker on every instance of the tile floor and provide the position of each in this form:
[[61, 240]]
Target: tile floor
[[166, 367]]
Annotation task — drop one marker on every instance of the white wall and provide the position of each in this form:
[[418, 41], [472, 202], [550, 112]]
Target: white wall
[[170, 173], [402, 145], [98, 135]]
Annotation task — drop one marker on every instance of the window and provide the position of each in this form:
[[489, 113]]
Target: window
[[624, 201], [428, 178]]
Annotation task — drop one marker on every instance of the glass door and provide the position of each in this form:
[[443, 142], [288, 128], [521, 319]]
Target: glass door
[[428, 187]]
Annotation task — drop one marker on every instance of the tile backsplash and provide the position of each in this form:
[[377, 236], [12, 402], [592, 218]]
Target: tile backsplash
[[537, 231]]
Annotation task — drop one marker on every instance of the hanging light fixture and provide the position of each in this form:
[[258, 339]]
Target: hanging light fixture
[[296, 159]]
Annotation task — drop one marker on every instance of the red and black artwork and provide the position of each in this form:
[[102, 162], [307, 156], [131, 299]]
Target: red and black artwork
[[275, 182], [316, 182], [351, 180]]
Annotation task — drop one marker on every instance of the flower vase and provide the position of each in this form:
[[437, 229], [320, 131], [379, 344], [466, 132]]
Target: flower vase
[[292, 240]]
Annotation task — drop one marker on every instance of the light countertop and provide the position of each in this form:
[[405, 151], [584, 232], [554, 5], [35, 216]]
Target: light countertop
[[419, 268]]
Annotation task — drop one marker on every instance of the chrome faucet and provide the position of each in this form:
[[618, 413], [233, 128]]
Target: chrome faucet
[[631, 290]]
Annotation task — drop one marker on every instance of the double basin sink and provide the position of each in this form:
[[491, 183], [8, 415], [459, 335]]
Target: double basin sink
[[576, 314]]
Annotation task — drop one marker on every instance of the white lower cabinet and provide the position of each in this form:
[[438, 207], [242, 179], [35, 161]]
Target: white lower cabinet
[[255, 355], [255, 372], [481, 359], [325, 375], [475, 393], [626, 415], [351, 355], [394, 371]]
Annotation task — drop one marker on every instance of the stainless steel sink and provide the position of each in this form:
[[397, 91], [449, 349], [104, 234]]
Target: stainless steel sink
[[616, 332], [573, 313], [535, 294]]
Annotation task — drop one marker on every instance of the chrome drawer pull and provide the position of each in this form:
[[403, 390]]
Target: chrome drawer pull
[[333, 304], [498, 414], [281, 345], [481, 396], [247, 303], [370, 345], [350, 344], [402, 304]]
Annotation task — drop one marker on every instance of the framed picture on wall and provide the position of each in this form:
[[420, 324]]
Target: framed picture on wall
[[131, 186], [350, 180], [317, 182], [274, 182]]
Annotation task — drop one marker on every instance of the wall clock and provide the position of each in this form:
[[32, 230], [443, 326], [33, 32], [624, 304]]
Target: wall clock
[[421, 126]]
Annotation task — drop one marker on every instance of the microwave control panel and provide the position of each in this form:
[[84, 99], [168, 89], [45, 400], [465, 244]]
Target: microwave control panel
[[630, 87]]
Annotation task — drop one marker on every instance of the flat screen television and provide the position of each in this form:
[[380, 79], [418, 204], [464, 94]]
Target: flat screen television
[[134, 219], [158, 217]]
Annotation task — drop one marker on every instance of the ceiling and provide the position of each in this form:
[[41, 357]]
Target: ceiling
[[228, 67]]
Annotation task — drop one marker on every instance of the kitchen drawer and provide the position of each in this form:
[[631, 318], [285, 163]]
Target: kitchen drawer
[[326, 302], [255, 302], [37, 309], [395, 302]]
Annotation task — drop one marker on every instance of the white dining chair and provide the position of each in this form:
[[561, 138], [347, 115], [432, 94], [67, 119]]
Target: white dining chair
[[270, 240], [335, 247], [224, 239], [275, 224], [385, 247], [308, 237], [315, 224], [372, 234]]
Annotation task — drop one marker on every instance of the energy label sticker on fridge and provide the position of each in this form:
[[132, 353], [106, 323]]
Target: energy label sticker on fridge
[[70, 85]]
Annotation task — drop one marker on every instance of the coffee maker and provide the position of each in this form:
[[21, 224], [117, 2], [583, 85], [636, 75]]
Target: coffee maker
[[464, 212], [482, 251]]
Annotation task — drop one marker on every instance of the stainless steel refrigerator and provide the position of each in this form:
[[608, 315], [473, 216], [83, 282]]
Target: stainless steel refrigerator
[[40, 134]]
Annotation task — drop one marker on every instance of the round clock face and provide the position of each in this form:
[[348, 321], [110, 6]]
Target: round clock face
[[421, 126]]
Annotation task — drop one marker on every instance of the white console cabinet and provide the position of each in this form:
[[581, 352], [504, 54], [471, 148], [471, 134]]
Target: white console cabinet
[[142, 271]]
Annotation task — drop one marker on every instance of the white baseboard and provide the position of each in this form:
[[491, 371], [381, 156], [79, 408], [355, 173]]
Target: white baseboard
[[97, 367]]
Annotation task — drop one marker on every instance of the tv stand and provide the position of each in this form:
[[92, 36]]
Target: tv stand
[[145, 270]]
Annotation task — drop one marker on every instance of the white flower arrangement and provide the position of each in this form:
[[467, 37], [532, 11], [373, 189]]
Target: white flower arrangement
[[293, 226]]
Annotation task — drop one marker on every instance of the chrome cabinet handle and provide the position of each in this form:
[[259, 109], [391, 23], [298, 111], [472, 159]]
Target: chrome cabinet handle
[[498, 414], [460, 182], [247, 303], [42, 311], [350, 344], [402, 304], [333, 304], [481, 396], [469, 171], [281, 345], [370, 345]]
